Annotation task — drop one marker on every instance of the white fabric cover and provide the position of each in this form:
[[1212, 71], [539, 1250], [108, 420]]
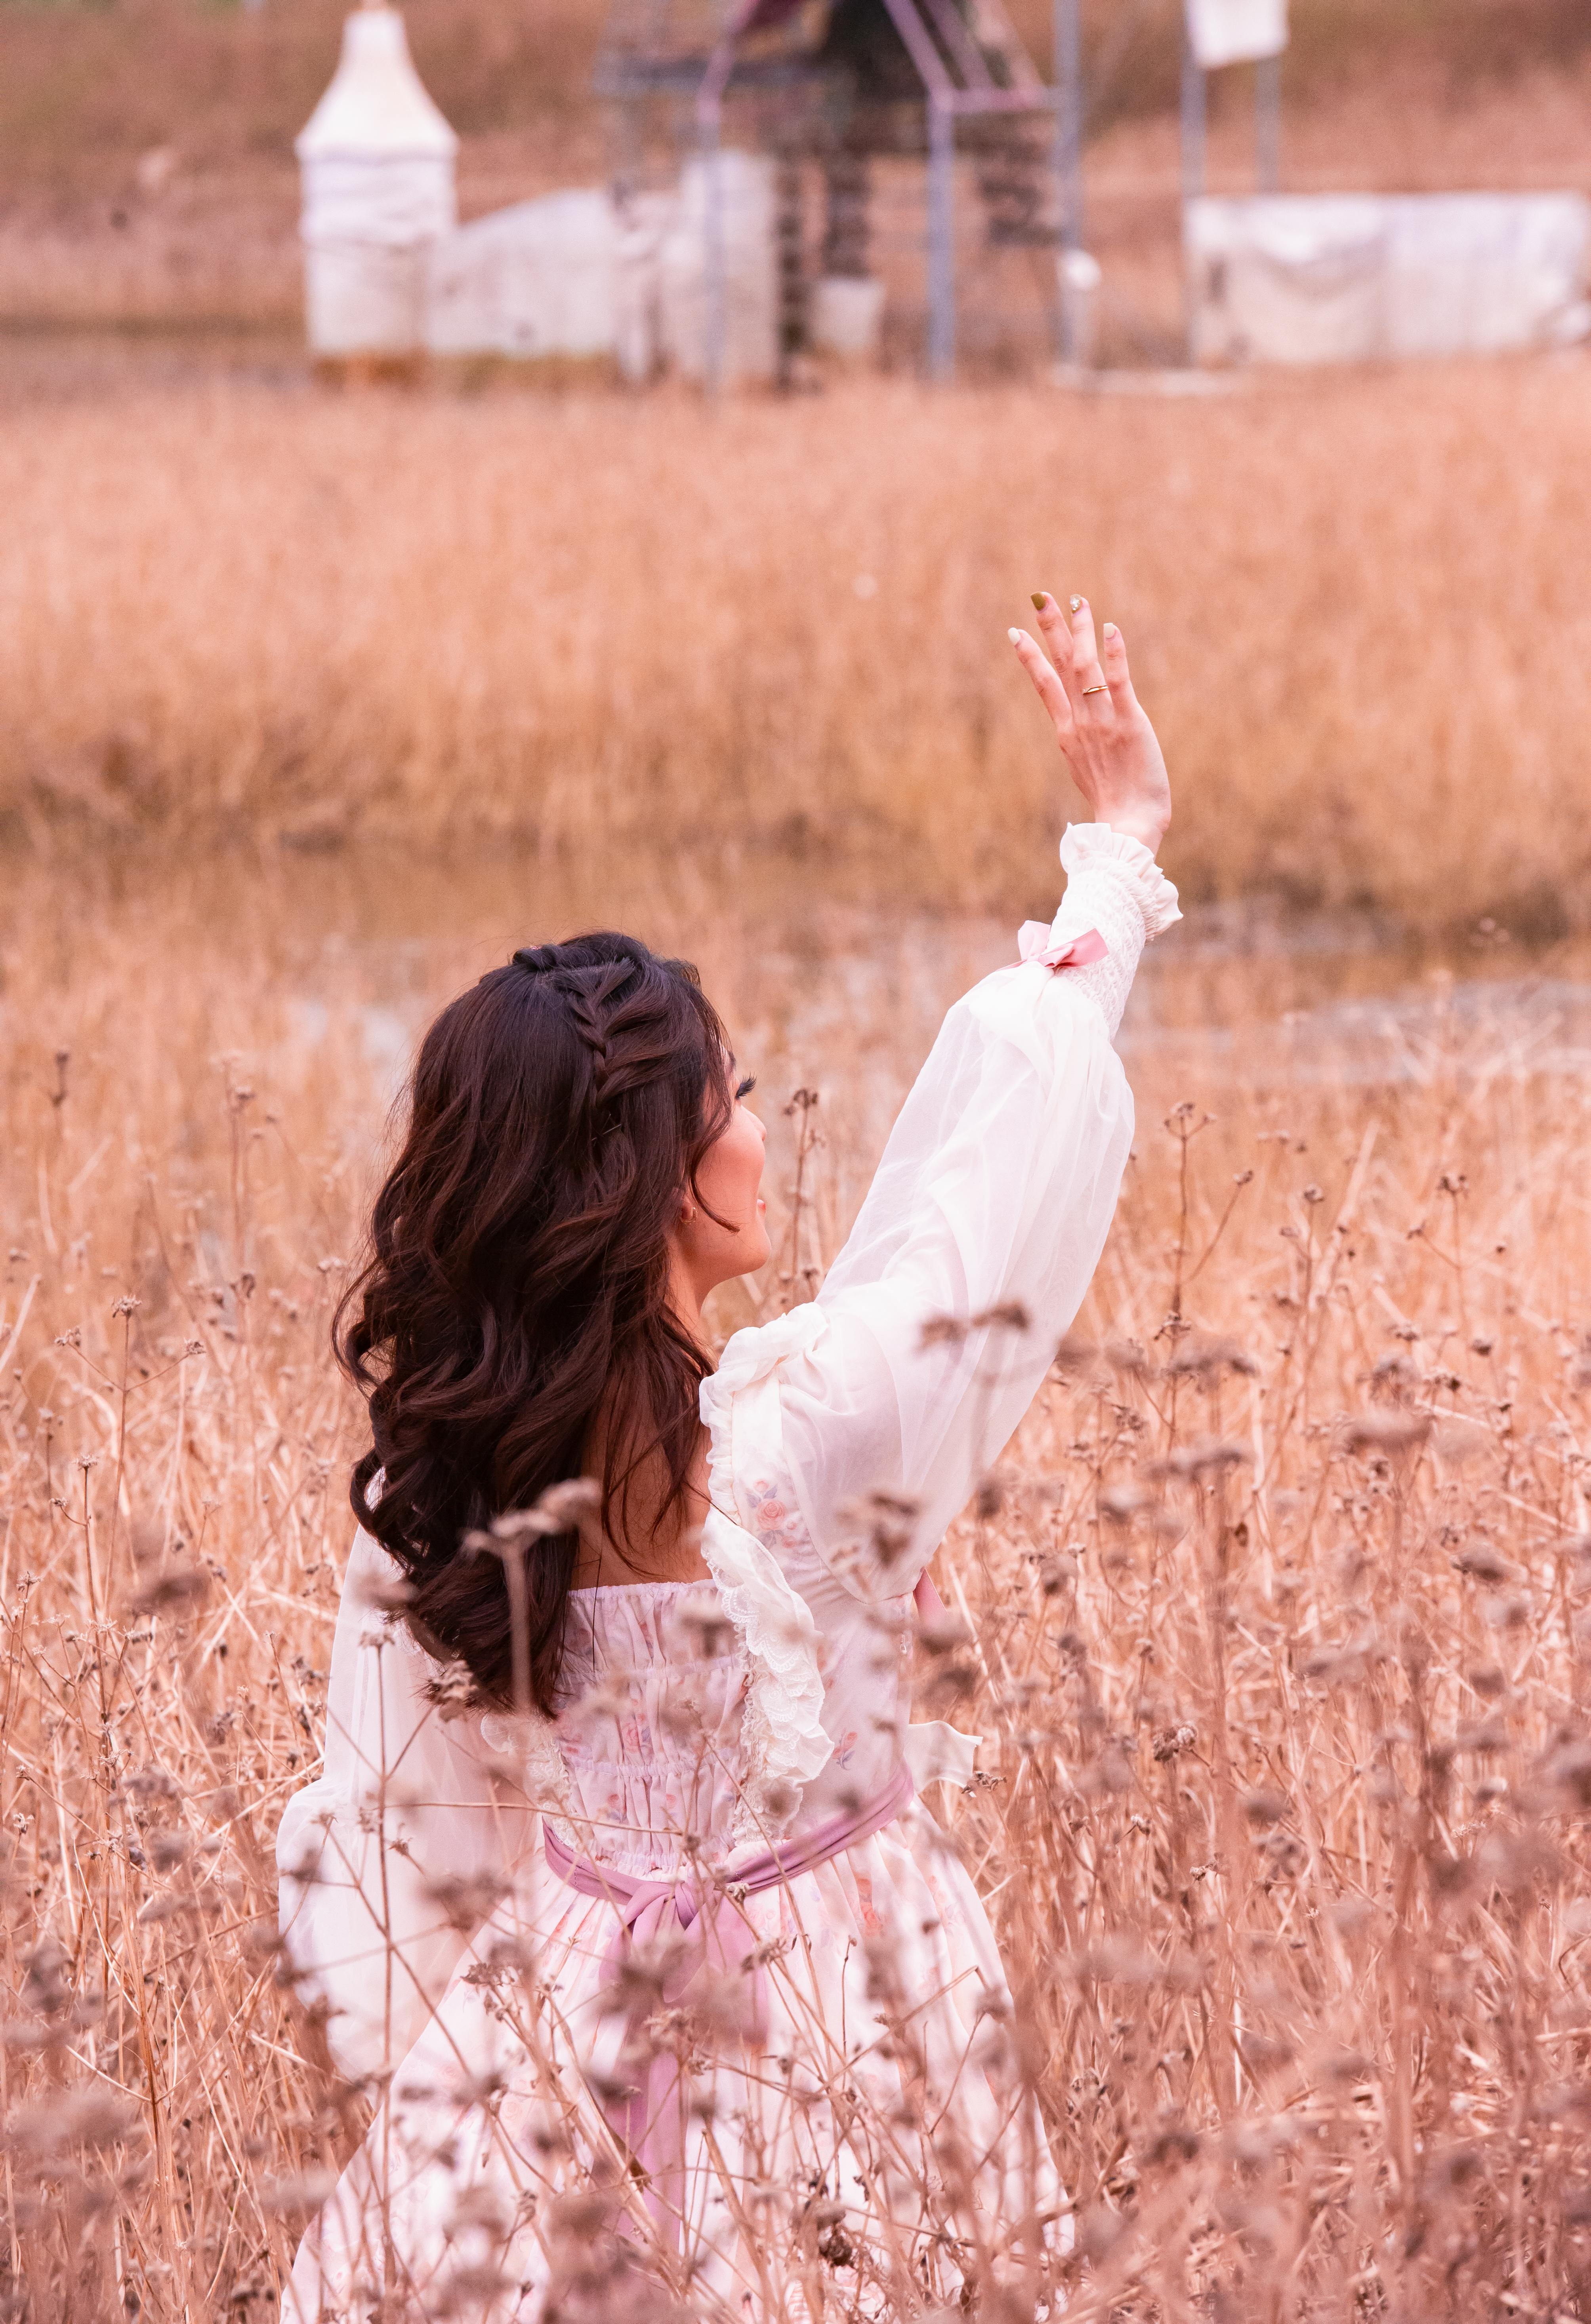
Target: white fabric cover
[[364, 298], [536, 278], [1351, 278], [737, 190], [393, 200], [410, 1870], [1235, 31], [847, 316]]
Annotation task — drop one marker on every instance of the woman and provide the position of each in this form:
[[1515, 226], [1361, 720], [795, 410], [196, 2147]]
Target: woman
[[614, 1887]]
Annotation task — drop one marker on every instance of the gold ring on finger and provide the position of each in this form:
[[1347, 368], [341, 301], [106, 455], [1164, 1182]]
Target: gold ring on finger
[[1095, 689]]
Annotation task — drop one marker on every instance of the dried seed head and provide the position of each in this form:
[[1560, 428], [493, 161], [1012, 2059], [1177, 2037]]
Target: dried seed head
[[70, 2118], [1206, 1456], [1382, 1431], [453, 1691], [464, 1901], [149, 1783], [296, 2192], [1205, 1359], [180, 1590], [1481, 1562], [167, 1850]]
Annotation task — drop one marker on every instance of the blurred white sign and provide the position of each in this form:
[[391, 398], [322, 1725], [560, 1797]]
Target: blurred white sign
[[1235, 31]]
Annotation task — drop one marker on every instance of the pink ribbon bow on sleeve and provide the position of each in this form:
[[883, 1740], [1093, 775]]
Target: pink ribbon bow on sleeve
[[1033, 943]]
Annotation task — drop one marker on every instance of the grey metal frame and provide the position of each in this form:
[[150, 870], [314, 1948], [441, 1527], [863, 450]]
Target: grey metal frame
[[948, 101], [1267, 138]]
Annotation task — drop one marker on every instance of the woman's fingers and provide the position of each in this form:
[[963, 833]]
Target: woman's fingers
[[1046, 682], [1056, 633], [1086, 685], [1117, 675]]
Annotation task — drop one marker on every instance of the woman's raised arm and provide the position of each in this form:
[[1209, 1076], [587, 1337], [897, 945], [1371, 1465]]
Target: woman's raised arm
[[986, 1217]]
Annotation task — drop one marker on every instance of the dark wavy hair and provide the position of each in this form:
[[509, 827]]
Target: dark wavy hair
[[514, 1297]]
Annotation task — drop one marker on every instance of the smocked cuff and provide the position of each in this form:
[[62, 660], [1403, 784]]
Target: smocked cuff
[[1097, 847]]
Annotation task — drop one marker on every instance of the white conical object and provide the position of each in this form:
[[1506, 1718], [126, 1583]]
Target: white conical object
[[377, 103], [377, 160]]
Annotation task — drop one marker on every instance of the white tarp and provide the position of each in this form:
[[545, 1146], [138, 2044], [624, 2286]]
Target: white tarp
[[1235, 31], [575, 274], [538, 279], [1350, 278], [377, 163], [724, 223]]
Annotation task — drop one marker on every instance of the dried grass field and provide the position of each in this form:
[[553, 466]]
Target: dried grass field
[[583, 622], [1280, 1611]]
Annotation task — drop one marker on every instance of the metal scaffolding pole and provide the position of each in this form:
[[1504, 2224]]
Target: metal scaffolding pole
[[942, 256], [1267, 123], [1068, 147], [1193, 136], [1193, 123], [715, 317]]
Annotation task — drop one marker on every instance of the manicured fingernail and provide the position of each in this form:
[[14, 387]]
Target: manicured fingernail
[[1076, 605], [1040, 598], [1014, 636], [1111, 630]]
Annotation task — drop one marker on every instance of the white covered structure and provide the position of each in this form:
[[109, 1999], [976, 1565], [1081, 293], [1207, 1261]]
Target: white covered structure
[[1353, 278], [377, 164], [576, 274], [540, 278], [719, 245]]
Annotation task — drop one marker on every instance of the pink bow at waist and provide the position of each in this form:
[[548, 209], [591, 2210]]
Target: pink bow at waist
[[1034, 941], [648, 2117]]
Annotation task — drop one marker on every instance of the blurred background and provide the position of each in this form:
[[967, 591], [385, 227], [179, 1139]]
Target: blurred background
[[477, 469], [677, 421]]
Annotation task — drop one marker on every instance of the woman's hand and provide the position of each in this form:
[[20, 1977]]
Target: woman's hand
[[1100, 725]]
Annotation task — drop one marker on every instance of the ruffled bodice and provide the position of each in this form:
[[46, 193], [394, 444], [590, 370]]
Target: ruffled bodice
[[651, 1710]]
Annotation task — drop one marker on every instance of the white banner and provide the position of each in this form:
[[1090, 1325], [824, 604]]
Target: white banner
[[1235, 31]]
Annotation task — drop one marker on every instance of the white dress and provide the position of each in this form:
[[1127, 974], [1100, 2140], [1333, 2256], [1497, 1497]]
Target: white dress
[[863, 2112]]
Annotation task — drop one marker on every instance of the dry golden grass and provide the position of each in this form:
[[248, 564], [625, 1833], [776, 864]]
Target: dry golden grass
[[583, 622], [1279, 1604]]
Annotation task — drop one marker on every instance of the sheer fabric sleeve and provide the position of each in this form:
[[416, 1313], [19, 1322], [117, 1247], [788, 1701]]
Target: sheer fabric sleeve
[[978, 1238], [398, 1849]]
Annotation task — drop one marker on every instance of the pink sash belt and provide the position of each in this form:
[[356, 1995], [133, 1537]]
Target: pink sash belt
[[646, 2113]]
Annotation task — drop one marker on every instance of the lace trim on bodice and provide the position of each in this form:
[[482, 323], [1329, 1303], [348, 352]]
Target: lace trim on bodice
[[655, 1742], [784, 1742]]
